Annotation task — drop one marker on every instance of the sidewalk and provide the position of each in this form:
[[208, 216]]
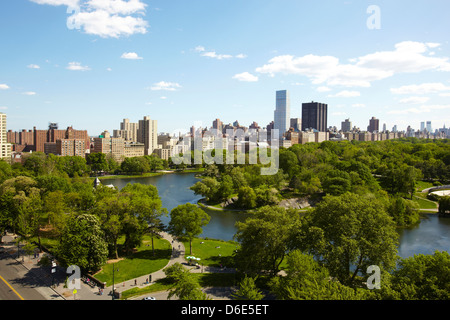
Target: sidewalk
[[57, 291]]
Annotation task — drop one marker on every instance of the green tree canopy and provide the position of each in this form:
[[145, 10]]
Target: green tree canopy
[[187, 220], [348, 233], [82, 243]]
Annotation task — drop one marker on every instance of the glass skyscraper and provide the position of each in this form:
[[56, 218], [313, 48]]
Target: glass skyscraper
[[282, 116]]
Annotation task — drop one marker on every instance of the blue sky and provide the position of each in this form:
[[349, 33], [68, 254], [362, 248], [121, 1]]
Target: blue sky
[[91, 63]]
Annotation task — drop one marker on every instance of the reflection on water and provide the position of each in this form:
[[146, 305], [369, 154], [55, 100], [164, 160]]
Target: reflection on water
[[174, 191], [432, 234]]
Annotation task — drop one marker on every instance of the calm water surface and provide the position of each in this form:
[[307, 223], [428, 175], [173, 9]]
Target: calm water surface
[[433, 233], [174, 190]]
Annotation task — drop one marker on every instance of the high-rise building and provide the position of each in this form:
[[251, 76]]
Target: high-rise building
[[314, 116], [374, 125], [218, 125], [128, 131], [282, 114], [346, 126], [296, 124], [422, 126], [109, 146], [429, 129], [148, 134], [5, 147]]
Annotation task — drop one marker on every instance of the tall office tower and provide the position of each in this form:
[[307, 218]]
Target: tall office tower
[[5, 147], [384, 127], [296, 123], [422, 126], [314, 116], [282, 115], [394, 128], [429, 126], [148, 134], [374, 125], [346, 126]]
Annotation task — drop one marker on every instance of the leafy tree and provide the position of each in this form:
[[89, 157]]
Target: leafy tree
[[350, 232], [97, 162], [306, 279], [185, 286], [248, 290], [444, 205], [111, 212], [265, 238], [246, 198], [404, 212], [187, 221], [226, 188], [423, 277], [54, 204], [82, 243]]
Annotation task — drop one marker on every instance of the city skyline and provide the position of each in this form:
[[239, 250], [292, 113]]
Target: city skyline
[[185, 63]]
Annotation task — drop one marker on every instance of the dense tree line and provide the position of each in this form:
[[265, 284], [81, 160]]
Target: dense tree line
[[55, 194], [390, 169]]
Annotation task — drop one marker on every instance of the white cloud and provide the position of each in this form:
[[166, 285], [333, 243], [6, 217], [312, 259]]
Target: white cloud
[[358, 105], [424, 88], [3, 108], [104, 18], [407, 57], [163, 98], [131, 56], [215, 55], [33, 66], [346, 94], [323, 70], [76, 66], [117, 6], [105, 25], [199, 49], [3, 86], [246, 77], [69, 3], [165, 86], [29, 93], [414, 100]]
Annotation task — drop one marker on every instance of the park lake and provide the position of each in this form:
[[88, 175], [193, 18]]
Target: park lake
[[433, 232]]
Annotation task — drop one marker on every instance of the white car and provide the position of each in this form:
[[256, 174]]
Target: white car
[[149, 298]]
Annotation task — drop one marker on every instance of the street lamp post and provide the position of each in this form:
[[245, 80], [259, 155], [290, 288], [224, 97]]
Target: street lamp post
[[113, 290], [113, 293]]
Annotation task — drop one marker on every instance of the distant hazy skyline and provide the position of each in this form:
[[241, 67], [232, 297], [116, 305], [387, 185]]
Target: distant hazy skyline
[[91, 63]]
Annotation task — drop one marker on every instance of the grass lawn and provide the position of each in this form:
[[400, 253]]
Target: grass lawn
[[422, 185], [140, 263], [425, 204], [212, 252], [204, 279]]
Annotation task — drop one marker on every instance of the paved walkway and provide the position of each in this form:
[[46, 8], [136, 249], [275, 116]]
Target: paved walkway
[[57, 290]]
